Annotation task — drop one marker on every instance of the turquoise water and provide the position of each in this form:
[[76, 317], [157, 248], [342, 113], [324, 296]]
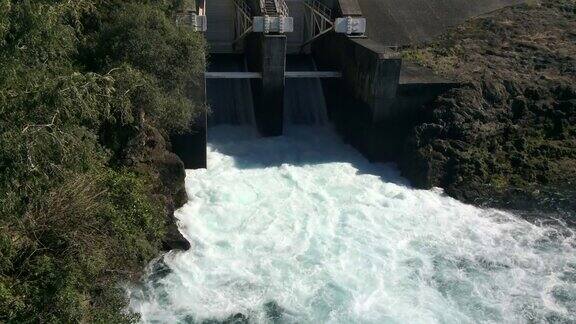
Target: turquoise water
[[302, 229]]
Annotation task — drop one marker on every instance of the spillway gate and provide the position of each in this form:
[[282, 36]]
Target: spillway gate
[[361, 80]]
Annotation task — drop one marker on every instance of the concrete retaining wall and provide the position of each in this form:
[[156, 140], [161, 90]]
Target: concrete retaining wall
[[370, 72]]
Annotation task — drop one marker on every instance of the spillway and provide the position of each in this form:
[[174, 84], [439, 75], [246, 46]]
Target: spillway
[[304, 101], [302, 229], [230, 100]]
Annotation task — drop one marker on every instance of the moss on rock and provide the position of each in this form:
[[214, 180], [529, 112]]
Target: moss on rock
[[507, 136]]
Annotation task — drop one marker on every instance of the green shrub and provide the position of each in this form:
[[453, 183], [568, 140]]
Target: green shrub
[[168, 62], [62, 253], [78, 79]]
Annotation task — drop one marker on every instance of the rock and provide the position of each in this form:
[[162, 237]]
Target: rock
[[428, 131], [147, 153], [174, 240], [494, 91], [510, 129]]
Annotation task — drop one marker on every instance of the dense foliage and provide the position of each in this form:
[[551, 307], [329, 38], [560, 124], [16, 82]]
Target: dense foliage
[[78, 79], [507, 136]]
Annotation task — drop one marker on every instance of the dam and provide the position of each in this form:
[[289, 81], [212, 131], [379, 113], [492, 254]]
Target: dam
[[351, 50], [302, 228]]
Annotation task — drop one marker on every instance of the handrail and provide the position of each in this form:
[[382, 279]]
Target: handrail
[[318, 20], [243, 20], [282, 8], [244, 9], [318, 6], [263, 6]]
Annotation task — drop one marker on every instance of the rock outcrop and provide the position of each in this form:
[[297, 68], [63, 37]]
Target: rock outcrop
[[507, 136], [148, 152]]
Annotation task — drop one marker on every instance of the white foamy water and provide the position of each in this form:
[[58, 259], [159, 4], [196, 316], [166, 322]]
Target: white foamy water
[[302, 229]]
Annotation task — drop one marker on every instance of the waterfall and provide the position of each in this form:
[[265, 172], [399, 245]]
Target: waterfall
[[230, 100], [303, 98]]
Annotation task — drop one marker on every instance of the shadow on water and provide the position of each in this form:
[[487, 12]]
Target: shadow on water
[[308, 139], [299, 146], [313, 145]]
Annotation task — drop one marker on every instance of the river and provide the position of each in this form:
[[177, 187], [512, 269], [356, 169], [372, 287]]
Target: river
[[303, 229]]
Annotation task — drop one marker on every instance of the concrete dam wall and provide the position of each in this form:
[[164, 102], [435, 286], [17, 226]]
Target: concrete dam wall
[[405, 22]]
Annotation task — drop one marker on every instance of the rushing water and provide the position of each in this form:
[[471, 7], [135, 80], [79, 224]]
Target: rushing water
[[302, 229]]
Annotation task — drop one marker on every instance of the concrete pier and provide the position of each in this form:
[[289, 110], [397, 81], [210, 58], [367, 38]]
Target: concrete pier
[[370, 71], [267, 55], [191, 147]]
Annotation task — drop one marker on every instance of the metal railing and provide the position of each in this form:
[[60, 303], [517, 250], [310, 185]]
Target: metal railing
[[280, 7], [319, 8], [242, 20], [318, 20]]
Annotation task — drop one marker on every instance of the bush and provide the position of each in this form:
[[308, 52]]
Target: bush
[[168, 62], [78, 80]]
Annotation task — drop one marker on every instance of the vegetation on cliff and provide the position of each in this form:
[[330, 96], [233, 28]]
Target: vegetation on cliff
[[88, 88], [507, 137]]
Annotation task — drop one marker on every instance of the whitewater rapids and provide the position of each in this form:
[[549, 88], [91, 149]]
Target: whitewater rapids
[[302, 229]]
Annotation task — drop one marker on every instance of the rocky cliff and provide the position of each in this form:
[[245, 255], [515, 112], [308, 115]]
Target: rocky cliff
[[148, 153], [507, 136]]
